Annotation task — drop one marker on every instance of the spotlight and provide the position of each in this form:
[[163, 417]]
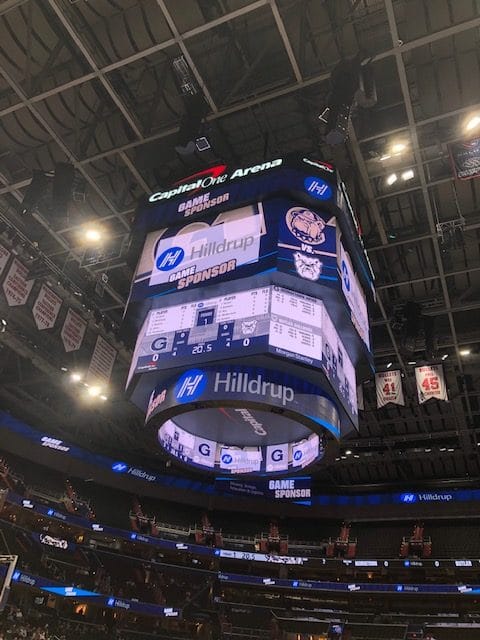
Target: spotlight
[[412, 362], [348, 452], [103, 397], [76, 377], [92, 235], [398, 147], [94, 391], [472, 123], [3, 325], [392, 178], [408, 175], [465, 352], [386, 156], [389, 365], [445, 356]]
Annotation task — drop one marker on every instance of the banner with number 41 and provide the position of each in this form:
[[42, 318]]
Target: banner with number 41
[[389, 388]]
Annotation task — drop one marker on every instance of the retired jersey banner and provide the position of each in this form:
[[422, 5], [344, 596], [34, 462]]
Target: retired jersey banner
[[4, 256], [101, 364], [46, 308], [73, 331], [389, 388], [430, 383], [16, 286], [466, 158]]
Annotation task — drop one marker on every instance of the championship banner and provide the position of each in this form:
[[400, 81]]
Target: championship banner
[[16, 286], [389, 388], [101, 364], [46, 308], [430, 381], [73, 331], [466, 159], [4, 256]]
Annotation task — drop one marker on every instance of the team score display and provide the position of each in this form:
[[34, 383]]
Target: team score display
[[204, 330]]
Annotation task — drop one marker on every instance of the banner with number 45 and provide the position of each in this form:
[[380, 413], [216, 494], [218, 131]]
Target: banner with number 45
[[389, 388], [430, 383]]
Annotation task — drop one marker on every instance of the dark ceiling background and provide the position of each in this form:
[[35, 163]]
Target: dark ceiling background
[[91, 83]]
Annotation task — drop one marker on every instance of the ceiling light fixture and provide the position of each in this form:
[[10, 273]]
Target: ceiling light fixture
[[348, 452], [408, 175], [392, 178], [94, 391], [386, 156], [398, 147], [93, 235], [412, 362], [389, 365], [76, 377], [472, 123], [465, 352], [445, 356]]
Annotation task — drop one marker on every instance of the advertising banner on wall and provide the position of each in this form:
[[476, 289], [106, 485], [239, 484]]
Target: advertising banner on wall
[[73, 331], [430, 381], [16, 286], [4, 256], [389, 388], [101, 364], [46, 308], [465, 157]]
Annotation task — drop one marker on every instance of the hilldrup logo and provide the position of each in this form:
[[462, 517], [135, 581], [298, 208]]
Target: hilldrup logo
[[227, 458], [410, 498], [190, 385], [119, 467], [297, 455], [170, 259], [317, 188]]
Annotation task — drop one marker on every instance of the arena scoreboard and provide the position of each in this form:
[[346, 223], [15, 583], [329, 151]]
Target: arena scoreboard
[[249, 316]]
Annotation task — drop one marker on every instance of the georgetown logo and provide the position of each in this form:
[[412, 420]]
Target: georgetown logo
[[305, 225], [307, 267]]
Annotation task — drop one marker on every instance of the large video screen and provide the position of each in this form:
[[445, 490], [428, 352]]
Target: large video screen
[[354, 295], [268, 319], [301, 329], [205, 330], [210, 454], [219, 247]]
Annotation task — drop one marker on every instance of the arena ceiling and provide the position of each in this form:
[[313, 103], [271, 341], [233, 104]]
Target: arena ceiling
[[91, 82]]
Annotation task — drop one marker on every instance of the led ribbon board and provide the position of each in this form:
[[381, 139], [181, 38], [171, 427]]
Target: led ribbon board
[[242, 420]]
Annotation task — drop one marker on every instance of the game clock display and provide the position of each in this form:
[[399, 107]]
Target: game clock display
[[220, 327]]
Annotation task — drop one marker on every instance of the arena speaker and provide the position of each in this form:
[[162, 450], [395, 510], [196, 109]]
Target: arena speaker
[[62, 189], [412, 313], [35, 192]]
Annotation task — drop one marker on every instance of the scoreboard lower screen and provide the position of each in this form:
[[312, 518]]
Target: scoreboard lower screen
[[267, 319]]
